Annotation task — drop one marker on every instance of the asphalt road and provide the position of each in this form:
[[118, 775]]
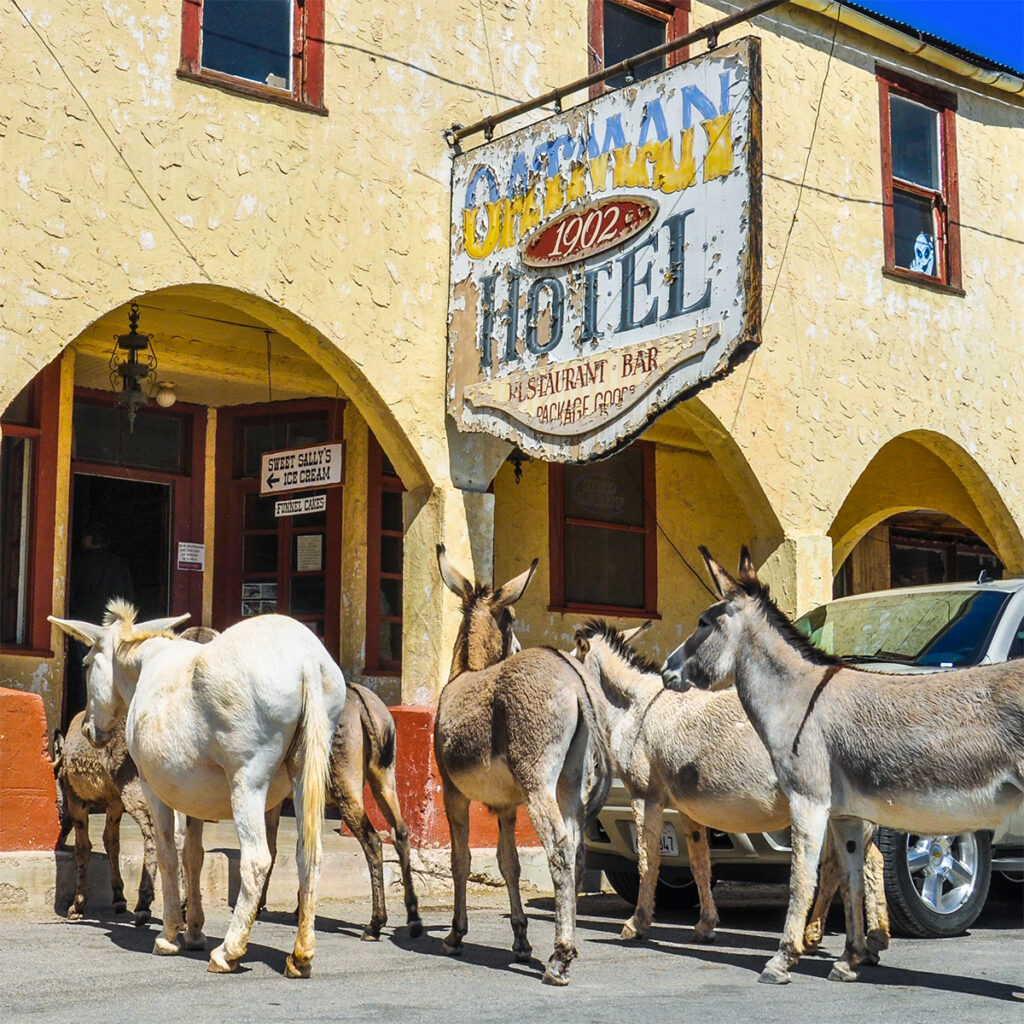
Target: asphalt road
[[102, 970]]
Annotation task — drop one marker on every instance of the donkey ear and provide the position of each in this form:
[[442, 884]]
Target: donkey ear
[[453, 579], [747, 572], [86, 632], [582, 645], [635, 631], [162, 625], [724, 583], [510, 592]]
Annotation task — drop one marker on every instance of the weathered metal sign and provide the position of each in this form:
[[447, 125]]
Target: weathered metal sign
[[606, 262], [301, 469]]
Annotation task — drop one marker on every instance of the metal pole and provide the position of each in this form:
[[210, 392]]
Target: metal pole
[[456, 133]]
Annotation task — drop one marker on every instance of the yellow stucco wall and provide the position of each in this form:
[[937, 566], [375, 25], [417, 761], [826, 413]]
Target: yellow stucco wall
[[121, 180]]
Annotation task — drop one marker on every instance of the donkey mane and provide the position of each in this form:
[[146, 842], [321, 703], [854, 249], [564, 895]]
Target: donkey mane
[[782, 624], [615, 640], [124, 612]]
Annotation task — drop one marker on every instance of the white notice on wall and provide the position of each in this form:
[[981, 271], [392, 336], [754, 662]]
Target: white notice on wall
[[309, 552], [191, 557]]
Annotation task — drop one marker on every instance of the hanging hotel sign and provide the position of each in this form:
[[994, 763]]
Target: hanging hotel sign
[[606, 262], [301, 469]]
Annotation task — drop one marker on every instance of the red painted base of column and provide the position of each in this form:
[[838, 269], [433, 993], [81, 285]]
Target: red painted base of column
[[28, 792], [419, 789]]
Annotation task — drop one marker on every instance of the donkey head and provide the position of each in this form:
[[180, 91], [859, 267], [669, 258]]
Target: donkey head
[[486, 635], [710, 652], [109, 692]]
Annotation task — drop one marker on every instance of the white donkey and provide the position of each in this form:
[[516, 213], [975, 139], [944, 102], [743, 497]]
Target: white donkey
[[219, 730], [942, 752]]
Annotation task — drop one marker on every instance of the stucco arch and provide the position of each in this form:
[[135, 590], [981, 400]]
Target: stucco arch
[[222, 334], [924, 469]]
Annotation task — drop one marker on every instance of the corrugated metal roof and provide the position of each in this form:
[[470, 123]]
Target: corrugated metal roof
[[944, 44]]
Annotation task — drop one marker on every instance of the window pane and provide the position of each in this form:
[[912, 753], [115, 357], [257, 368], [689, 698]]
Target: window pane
[[604, 567], [307, 595], [914, 131], [914, 231], [155, 443], [250, 39], [391, 597], [257, 439], [609, 491], [20, 410], [307, 433], [391, 554], [96, 432], [389, 643], [259, 553], [259, 513], [15, 491], [391, 511], [628, 32]]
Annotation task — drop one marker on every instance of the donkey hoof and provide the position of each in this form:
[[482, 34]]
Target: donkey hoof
[[196, 941], [842, 971], [630, 931], [141, 918], [869, 960], [876, 940], [165, 947], [556, 974], [415, 928], [221, 964], [74, 915], [120, 907], [298, 967], [371, 935], [452, 948], [523, 954], [705, 935], [774, 976]]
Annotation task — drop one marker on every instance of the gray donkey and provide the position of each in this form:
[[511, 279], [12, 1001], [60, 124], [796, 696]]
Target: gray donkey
[[942, 752], [514, 732], [698, 753]]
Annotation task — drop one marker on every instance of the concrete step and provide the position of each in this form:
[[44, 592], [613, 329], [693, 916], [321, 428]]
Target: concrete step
[[38, 886]]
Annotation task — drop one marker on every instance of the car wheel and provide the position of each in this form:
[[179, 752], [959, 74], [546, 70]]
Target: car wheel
[[676, 889], [935, 885]]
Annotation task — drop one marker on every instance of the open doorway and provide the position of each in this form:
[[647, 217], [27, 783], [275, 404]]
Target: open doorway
[[120, 547]]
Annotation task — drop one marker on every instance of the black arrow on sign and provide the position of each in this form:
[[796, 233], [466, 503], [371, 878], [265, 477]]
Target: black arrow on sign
[[271, 480]]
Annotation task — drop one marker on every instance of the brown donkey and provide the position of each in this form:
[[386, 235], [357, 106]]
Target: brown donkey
[[514, 732], [363, 753]]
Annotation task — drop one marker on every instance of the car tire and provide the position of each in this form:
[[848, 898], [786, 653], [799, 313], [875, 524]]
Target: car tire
[[936, 886], [676, 889]]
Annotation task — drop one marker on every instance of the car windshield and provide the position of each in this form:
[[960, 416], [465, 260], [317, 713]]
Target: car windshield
[[943, 629]]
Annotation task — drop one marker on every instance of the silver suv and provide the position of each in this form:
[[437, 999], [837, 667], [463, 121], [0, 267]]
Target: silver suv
[[935, 885]]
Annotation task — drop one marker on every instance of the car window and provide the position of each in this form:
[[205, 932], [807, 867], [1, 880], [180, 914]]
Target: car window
[[940, 629], [1017, 643]]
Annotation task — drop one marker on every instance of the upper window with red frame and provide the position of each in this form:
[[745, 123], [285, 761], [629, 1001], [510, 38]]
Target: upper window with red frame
[[919, 181], [620, 29], [271, 49]]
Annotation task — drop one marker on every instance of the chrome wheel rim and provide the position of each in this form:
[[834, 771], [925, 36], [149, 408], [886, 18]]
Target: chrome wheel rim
[[943, 869]]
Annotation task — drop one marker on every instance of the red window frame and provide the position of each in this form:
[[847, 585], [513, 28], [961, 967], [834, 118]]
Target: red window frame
[[377, 483], [674, 13], [945, 202], [307, 92], [44, 419], [557, 521]]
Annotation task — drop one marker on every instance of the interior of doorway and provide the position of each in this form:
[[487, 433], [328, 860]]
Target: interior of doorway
[[120, 547]]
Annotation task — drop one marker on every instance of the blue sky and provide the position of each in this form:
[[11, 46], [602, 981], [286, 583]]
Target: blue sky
[[992, 28]]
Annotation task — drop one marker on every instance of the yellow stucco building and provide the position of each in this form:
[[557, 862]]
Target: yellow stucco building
[[285, 238]]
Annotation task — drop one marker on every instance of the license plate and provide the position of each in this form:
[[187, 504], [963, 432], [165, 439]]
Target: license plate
[[669, 843]]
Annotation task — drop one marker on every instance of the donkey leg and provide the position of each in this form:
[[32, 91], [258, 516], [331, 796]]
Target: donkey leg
[[167, 860], [546, 818], [456, 807], [810, 821], [354, 815], [700, 865], [828, 885], [112, 844], [272, 823], [83, 846], [300, 963], [508, 864], [876, 909], [192, 855], [647, 816], [386, 795], [848, 836], [135, 804], [248, 807]]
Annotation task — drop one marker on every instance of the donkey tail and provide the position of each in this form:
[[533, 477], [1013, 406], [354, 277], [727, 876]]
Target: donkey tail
[[379, 732], [316, 751], [599, 761]]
